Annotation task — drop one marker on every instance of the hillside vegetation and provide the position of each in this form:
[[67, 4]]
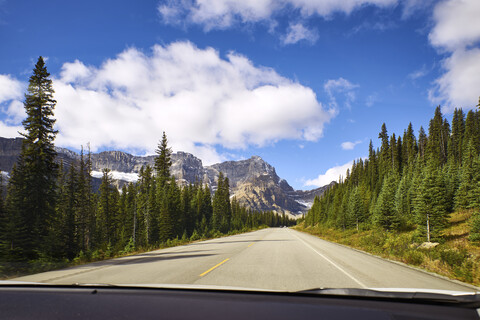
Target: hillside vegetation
[[412, 190]]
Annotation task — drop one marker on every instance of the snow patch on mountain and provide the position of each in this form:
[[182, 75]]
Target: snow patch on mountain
[[125, 176]]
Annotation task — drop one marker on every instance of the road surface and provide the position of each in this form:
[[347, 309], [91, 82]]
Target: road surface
[[274, 258]]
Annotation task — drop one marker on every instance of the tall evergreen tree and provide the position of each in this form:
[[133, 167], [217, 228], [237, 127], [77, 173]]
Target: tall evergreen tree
[[384, 212], [107, 211], [32, 194], [163, 161], [431, 203]]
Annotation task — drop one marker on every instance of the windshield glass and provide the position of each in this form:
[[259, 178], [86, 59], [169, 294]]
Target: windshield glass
[[274, 145]]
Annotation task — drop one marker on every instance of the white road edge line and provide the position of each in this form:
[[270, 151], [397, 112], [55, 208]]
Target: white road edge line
[[330, 261]]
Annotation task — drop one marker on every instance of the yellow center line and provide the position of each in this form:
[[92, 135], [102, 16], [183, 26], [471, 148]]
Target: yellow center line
[[251, 244], [215, 266]]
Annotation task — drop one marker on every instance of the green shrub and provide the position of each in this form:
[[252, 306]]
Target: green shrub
[[195, 235], [413, 257], [97, 255], [397, 244], [129, 247], [81, 257], [454, 258], [464, 271]]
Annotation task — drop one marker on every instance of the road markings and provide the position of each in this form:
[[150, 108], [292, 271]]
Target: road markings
[[215, 266], [331, 262], [251, 244]]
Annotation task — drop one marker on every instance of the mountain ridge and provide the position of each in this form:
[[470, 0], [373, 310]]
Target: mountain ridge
[[253, 181]]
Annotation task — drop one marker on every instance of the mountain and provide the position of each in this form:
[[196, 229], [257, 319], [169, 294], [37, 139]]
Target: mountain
[[253, 181]]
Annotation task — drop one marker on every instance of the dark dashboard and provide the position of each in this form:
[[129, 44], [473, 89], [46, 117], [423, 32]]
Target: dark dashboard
[[100, 302]]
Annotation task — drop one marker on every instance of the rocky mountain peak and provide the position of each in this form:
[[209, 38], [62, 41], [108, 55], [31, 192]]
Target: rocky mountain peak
[[253, 181]]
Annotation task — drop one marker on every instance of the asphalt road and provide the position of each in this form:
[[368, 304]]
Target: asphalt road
[[274, 258]]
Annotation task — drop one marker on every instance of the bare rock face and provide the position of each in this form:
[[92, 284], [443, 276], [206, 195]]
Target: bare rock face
[[9, 151], [120, 161], [187, 168], [253, 181]]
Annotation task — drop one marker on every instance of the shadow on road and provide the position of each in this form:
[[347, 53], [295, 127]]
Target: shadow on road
[[239, 241], [161, 257]]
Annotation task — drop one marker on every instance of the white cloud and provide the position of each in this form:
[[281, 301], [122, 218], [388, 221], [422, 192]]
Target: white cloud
[[198, 98], [457, 31], [348, 145], [330, 175], [221, 14], [10, 88], [297, 32], [456, 24], [9, 131], [333, 87], [459, 86], [11, 106]]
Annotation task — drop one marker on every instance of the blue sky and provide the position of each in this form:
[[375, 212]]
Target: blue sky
[[304, 84]]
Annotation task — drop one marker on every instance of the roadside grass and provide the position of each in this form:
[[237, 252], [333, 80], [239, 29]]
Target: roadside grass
[[455, 257], [10, 269]]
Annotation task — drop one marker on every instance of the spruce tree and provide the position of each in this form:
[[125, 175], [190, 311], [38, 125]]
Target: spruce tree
[[163, 161], [422, 143], [32, 190], [431, 203], [107, 211], [475, 227], [385, 215]]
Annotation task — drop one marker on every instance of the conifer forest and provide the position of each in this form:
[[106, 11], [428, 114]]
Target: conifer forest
[[411, 182]]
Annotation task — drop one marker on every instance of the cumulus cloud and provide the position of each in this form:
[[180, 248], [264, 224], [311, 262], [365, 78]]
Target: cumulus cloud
[[459, 86], [457, 31], [10, 88], [342, 86], [456, 24], [348, 145], [11, 106], [297, 32], [330, 175], [198, 98]]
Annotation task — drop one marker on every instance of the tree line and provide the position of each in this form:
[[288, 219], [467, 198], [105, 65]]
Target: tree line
[[51, 212], [410, 182]]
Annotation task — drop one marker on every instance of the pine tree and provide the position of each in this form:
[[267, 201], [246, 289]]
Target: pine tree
[[32, 194], [107, 211], [438, 135], [385, 157], [85, 210], [475, 227], [465, 196], [403, 201], [221, 205], [166, 222], [430, 203], [422, 143], [356, 209], [163, 160], [457, 137], [385, 215]]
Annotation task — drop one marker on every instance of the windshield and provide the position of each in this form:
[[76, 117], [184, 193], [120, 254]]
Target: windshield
[[275, 145]]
